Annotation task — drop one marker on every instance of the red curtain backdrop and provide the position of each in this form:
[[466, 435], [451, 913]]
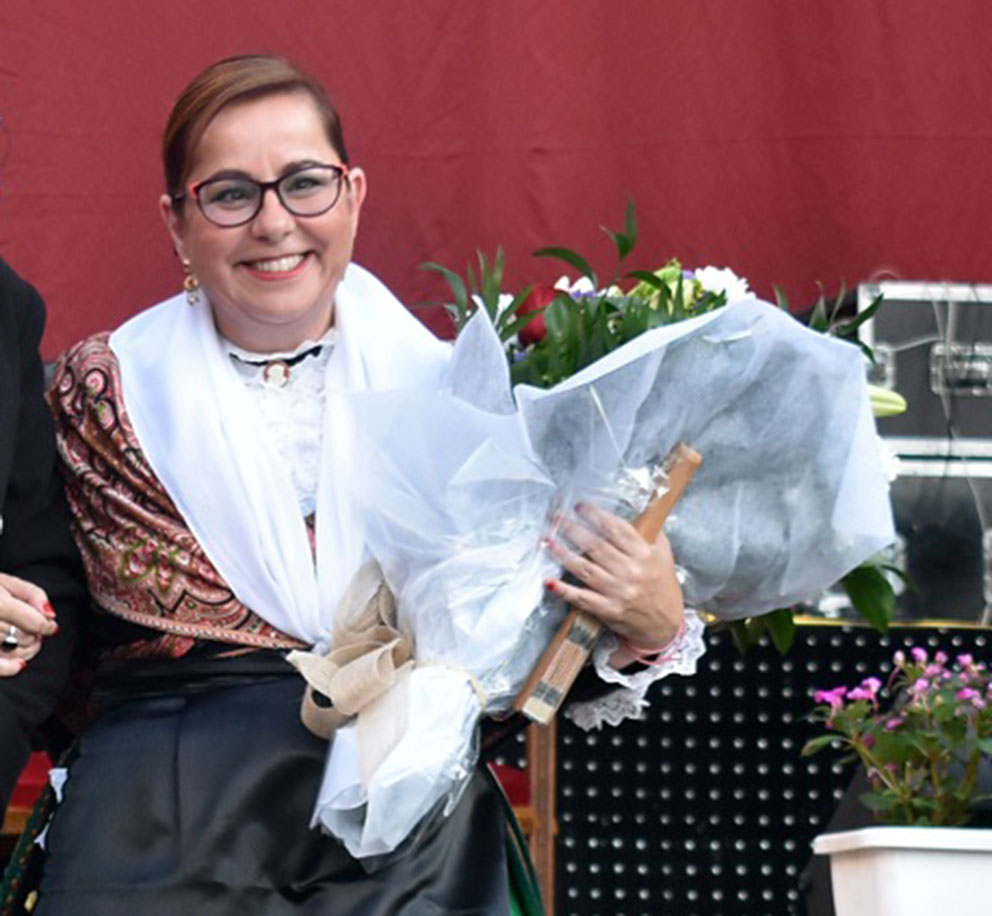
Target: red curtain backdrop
[[800, 143]]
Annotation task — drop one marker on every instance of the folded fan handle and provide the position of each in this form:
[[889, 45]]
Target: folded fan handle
[[569, 649]]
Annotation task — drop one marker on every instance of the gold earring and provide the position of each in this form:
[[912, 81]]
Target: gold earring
[[190, 284]]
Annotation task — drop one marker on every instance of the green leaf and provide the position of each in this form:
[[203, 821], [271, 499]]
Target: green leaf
[[781, 300], [756, 627], [509, 323], [818, 320], [849, 327], [678, 302], [470, 279], [815, 745], [892, 747], [781, 627], [630, 221], [569, 257], [925, 744], [515, 326], [899, 573], [838, 304], [555, 319], [655, 318], [457, 315], [491, 282], [645, 276], [878, 802], [624, 245], [871, 594], [740, 635], [626, 240], [456, 283]]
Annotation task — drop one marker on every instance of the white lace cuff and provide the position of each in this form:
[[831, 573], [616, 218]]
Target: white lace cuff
[[628, 701]]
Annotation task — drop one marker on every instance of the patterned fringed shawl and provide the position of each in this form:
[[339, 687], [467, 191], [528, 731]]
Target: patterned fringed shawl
[[142, 562]]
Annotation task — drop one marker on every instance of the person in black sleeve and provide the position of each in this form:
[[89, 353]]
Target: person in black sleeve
[[42, 590]]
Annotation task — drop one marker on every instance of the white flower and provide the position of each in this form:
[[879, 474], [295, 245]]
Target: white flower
[[505, 299], [582, 286], [722, 280]]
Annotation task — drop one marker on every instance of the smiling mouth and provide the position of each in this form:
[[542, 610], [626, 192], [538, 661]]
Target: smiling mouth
[[286, 265]]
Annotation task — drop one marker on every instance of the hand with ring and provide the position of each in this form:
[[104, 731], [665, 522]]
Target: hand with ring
[[627, 583], [26, 618]]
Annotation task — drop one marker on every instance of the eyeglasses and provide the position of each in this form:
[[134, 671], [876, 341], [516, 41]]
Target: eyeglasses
[[308, 191]]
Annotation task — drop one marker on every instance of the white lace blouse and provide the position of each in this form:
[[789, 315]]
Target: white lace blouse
[[288, 390]]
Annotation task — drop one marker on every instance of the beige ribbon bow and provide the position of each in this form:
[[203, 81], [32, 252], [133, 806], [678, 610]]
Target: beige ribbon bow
[[367, 655]]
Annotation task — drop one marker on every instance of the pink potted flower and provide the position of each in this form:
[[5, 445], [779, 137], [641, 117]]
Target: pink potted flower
[[922, 751]]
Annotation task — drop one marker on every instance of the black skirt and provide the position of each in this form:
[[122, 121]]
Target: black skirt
[[199, 802]]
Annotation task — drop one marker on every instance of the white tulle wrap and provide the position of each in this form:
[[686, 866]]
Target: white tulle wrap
[[451, 483], [790, 497]]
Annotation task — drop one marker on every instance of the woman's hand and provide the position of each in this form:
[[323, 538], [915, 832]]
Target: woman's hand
[[24, 606], [629, 585]]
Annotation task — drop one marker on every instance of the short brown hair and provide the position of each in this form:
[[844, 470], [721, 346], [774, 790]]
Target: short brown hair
[[235, 79]]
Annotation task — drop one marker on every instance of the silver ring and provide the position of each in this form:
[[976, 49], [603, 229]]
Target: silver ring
[[10, 640]]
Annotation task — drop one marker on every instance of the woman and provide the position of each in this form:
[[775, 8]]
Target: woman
[[41, 583], [207, 444]]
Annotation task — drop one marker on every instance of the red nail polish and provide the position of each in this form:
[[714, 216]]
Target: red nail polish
[[56, 630], [24, 665], [551, 585], [48, 610]]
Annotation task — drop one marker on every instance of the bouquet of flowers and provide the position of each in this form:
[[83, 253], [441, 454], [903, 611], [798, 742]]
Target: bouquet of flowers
[[922, 754], [462, 483], [550, 332]]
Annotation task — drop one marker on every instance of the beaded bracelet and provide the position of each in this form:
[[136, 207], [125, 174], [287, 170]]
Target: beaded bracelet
[[656, 656]]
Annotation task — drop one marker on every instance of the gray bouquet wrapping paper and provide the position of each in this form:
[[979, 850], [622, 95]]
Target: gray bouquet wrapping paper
[[460, 485]]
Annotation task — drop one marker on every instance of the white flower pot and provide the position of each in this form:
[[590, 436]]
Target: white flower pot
[[905, 871]]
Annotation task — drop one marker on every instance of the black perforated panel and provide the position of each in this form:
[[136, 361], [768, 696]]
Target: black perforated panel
[[705, 808]]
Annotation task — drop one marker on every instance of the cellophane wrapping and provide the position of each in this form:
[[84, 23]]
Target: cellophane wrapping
[[461, 484]]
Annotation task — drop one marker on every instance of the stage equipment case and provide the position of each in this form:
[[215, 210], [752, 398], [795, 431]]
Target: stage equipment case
[[933, 343]]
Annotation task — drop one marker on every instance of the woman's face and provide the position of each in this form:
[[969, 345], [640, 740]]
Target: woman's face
[[270, 282]]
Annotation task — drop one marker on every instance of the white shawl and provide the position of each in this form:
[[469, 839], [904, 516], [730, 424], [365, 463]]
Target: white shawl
[[205, 442]]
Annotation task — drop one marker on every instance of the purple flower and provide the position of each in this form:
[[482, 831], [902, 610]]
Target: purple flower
[[919, 686], [919, 655], [872, 684], [899, 659], [868, 740], [894, 723], [834, 697], [940, 658], [966, 660], [866, 690], [970, 695]]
